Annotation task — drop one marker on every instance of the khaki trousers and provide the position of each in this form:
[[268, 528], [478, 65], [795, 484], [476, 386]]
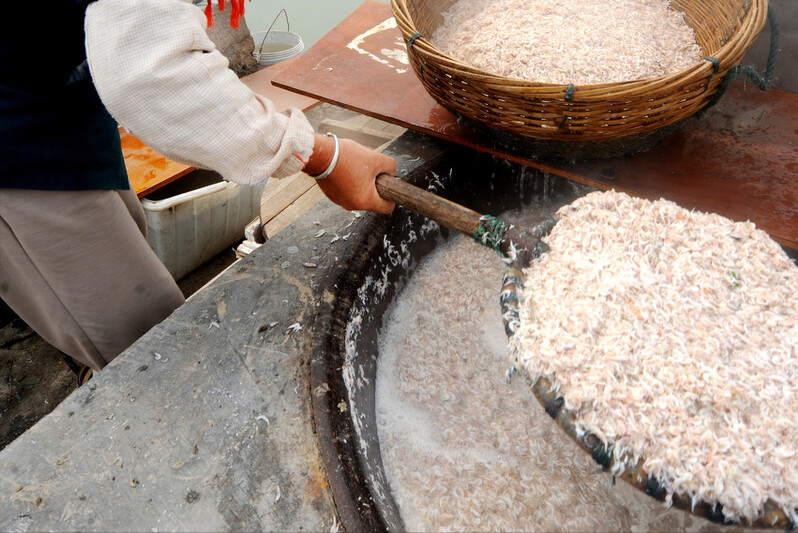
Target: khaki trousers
[[76, 267]]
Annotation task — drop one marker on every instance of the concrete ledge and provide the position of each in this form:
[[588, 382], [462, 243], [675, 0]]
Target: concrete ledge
[[204, 424]]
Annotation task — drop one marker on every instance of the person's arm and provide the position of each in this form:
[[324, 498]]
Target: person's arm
[[160, 76]]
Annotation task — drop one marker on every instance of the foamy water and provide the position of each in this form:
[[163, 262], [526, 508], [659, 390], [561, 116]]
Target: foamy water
[[463, 449]]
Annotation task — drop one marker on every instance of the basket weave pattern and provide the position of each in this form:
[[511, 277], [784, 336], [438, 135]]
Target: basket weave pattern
[[724, 29]]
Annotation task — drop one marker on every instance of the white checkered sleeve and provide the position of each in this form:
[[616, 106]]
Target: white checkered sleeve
[[160, 76]]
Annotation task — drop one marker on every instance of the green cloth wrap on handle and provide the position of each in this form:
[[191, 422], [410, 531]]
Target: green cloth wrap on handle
[[491, 232]]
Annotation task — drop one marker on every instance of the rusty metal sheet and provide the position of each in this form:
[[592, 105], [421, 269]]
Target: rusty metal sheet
[[148, 170], [740, 161]]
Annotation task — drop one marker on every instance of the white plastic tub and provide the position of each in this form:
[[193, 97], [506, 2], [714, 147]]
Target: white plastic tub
[[194, 218], [274, 46]]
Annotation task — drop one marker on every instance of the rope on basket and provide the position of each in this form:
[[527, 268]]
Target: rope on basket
[[411, 41], [763, 83], [490, 232], [569, 92]]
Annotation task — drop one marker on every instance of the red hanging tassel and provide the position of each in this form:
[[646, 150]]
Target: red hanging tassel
[[234, 16], [236, 13], [209, 13]]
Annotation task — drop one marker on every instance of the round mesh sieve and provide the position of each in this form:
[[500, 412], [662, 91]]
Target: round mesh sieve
[[548, 394]]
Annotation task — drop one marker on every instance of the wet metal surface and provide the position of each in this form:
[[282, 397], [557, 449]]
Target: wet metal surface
[[740, 161]]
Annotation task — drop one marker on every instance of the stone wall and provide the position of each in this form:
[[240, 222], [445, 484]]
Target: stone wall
[[235, 43]]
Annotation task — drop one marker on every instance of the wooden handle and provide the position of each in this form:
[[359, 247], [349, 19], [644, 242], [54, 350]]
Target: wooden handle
[[432, 206], [517, 245]]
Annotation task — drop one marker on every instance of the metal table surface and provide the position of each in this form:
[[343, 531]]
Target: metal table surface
[[740, 160]]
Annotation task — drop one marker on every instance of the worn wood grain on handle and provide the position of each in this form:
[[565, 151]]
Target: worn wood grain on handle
[[441, 210], [516, 245]]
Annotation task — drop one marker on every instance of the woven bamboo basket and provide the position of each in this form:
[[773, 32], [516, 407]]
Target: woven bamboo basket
[[584, 120]]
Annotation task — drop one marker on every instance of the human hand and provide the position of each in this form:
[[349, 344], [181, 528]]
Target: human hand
[[352, 183]]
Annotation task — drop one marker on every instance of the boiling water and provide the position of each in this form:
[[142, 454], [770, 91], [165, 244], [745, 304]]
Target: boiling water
[[465, 450]]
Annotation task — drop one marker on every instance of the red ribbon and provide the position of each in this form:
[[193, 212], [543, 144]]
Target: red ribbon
[[209, 13], [236, 13], [234, 16]]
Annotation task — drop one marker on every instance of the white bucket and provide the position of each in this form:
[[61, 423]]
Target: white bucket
[[274, 46]]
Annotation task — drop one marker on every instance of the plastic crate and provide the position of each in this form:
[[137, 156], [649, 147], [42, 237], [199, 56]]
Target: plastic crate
[[194, 218]]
